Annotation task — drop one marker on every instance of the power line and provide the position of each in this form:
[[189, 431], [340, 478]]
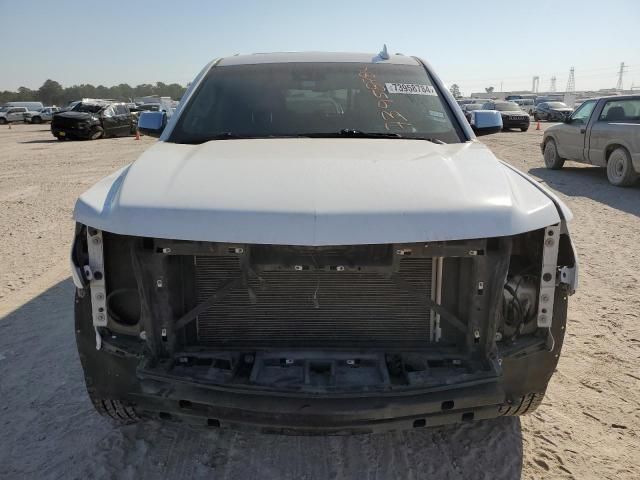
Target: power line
[[525, 77]]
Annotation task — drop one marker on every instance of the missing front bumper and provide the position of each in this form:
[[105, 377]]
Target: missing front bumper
[[304, 414]]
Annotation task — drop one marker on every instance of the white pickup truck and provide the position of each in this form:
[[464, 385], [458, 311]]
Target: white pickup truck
[[40, 116]]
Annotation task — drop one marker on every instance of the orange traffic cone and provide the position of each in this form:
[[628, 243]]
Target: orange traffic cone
[[137, 135], [538, 126]]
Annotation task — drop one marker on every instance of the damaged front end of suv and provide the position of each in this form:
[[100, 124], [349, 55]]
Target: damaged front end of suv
[[298, 302]]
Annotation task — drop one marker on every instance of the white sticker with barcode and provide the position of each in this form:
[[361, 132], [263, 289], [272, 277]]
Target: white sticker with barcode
[[411, 89]]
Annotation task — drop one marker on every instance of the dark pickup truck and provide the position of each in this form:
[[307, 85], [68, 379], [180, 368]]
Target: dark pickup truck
[[604, 132], [93, 120]]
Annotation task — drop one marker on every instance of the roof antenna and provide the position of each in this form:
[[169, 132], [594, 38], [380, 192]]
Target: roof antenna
[[384, 55]]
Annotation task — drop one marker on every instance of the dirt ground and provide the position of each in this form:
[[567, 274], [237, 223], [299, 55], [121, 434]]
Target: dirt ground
[[587, 428]]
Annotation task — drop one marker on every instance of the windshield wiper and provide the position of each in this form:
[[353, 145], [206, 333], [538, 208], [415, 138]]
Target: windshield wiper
[[345, 132], [217, 136], [348, 132]]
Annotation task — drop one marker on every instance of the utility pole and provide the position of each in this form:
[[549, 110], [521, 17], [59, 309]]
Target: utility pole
[[570, 93], [552, 87], [620, 75], [535, 84]]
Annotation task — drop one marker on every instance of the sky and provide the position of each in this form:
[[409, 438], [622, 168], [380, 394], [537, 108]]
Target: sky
[[475, 44]]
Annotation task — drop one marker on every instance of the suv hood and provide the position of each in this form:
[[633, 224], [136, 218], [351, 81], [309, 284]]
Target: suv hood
[[318, 192]]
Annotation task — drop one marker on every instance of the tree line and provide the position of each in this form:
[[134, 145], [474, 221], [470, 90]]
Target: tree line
[[53, 93]]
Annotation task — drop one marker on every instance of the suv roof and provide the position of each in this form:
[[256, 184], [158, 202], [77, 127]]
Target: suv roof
[[290, 57]]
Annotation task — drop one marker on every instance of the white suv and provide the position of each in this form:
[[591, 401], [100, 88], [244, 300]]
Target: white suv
[[318, 243]]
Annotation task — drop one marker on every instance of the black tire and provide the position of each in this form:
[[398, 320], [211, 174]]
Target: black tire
[[524, 129], [114, 409], [61, 139], [36, 120], [551, 158], [523, 405], [620, 170], [96, 133], [3, 121]]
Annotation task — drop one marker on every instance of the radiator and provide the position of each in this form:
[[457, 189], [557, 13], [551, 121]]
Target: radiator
[[314, 309]]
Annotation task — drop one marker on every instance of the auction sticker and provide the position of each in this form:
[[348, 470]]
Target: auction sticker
[[411, 89]]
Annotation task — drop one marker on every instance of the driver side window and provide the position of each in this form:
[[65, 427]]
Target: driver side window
[[582, 114], [109, 112]]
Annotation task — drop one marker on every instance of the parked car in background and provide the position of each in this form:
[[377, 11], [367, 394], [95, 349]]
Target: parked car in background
[[552, 111], [156, 107], [467, 101], [512, 115], [92, 120], [479, 119], [43, 115], [10, 114], [71, 105], [236, 275], [469, 107], [548, 98], [30, 106], [526, 104], [603, 132]]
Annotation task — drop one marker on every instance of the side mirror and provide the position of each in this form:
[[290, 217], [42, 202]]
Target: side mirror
[[485, 122], [152, 123], [567, 119]]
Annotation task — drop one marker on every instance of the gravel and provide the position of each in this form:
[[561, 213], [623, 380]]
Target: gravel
[[587, 427]]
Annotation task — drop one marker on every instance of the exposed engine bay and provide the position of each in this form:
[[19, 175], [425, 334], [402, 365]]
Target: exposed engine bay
[[339, 319]]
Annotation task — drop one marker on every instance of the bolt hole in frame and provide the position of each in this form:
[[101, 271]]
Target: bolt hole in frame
[[97, 281]]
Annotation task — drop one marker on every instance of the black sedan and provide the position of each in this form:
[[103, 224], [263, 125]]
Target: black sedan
[[552, 111], [512, 115]]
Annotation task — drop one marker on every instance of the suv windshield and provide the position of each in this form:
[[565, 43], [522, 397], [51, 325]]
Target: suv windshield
[[507, 107], [88, 108], [317, 100]]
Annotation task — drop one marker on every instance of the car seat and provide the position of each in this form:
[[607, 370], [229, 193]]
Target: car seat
[[615, 113]]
